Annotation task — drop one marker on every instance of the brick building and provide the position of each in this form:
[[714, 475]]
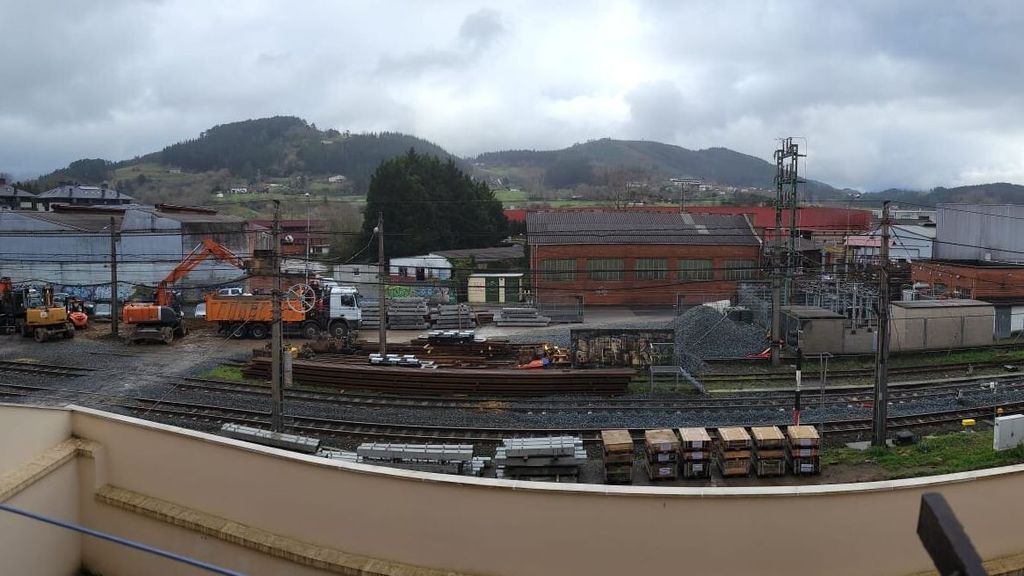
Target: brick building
[[639, 258], [988, 281]]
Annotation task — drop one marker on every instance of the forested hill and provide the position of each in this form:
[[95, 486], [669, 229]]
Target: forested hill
[[585, 163], [282, 146], [285, 146], [995, 193]]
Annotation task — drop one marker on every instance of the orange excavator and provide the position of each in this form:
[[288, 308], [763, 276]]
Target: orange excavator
[[163, 319]]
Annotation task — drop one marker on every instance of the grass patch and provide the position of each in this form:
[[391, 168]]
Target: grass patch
[[945, 454], [229, 373], [510, 195]]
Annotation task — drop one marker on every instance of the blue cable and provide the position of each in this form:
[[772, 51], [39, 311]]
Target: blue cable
[[122, 541]]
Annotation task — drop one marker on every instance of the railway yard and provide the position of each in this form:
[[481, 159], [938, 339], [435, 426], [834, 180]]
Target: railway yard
[[206, 381]]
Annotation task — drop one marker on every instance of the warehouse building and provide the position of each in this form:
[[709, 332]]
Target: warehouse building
[[12, 198], [78, 195], [639, 258], [907, 243], [71, 248], [979, 232]]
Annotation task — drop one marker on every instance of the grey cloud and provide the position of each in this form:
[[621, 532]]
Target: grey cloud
[[481, 29], [912, 93]]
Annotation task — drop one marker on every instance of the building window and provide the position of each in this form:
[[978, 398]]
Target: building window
[[558, 270], [651, 269], [740, 269], [606, 268], [692, 270]]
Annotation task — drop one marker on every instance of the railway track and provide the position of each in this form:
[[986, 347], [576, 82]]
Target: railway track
[[811, 373], [20, 367], [336, 428], [782, 399]]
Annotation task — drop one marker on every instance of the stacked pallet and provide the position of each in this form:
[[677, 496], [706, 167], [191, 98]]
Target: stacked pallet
[[407, 313], [520, 317], [769, 451], [732, 451], [618, 456], [554, 459], [803, 450], [370, 314], [661, 448], [695, 453], [453, 317]]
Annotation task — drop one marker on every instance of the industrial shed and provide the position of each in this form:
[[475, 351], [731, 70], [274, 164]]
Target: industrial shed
[[940, 324], [979, 232], [71, 249], [639, 258]]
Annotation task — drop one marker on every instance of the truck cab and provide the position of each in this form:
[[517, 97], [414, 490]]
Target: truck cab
[[342, 310]]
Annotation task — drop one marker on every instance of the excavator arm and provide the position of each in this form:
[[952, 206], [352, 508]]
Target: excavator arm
[[198, 254]]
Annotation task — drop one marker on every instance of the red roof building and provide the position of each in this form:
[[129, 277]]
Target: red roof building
[[817, 222], [636, 258]]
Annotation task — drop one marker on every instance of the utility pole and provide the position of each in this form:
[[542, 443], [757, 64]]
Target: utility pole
[[799, 377], [881, 396], [382, 330], [776, 334], [113, 278], [276, 343]]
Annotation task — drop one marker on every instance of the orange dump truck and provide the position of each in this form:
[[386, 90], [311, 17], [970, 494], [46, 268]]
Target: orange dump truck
[[336, 312], [248, 316]]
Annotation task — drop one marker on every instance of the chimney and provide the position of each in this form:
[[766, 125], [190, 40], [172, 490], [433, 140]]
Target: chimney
[[3, 181]]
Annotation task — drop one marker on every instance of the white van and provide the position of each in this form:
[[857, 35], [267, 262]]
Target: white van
[[230, 292]]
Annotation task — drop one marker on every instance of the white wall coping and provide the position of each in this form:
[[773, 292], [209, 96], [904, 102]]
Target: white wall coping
[[549, 487]]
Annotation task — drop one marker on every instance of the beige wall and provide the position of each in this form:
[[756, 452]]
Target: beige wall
[[941, 327], [474, 525], [29, 547], [488, 527], [25, 432]]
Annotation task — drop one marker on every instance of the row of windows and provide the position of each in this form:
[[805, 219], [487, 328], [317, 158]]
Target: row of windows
[[564, 269]]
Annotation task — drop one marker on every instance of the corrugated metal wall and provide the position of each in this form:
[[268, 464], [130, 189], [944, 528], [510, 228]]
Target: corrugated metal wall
[[79, 262], [980, 232]]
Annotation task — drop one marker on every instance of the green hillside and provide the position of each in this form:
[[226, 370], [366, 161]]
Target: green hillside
[[588, 163], [282, 151]]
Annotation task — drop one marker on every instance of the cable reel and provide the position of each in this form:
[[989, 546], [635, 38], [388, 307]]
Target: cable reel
[[300, 298]]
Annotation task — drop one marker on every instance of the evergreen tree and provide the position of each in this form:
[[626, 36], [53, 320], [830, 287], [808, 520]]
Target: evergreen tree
[[430, 205]]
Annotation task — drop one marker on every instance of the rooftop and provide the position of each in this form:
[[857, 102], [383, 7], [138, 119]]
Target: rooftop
[[83, 192], [628, 227], [8, 191], [950, 303], [495, 254]]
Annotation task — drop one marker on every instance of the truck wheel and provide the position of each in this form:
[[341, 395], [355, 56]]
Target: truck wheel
[[258, 331], [41, 335], [240, 331], [181, 330], [70, 332], [310, 330], [339, 330]]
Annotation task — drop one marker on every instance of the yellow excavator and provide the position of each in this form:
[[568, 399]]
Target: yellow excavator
[[44, 320]]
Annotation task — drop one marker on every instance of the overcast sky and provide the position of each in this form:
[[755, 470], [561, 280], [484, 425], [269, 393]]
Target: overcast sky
[[906, 93]]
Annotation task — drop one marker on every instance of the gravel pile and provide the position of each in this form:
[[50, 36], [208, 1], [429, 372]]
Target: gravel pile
[[703, 332]]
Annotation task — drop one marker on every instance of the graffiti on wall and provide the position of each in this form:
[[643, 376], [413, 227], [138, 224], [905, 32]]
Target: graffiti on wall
[[433, 294]]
